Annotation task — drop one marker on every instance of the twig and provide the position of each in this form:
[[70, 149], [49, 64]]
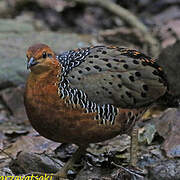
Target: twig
[[132, 172], [129, 18], [7, 154]]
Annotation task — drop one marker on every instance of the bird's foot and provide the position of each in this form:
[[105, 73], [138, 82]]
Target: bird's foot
[[67, 169]]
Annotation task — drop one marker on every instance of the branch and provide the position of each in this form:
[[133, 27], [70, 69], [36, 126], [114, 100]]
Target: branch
[[129, 18]]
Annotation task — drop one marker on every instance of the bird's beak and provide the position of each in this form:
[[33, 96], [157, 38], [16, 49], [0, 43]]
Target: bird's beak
[[31, 63]]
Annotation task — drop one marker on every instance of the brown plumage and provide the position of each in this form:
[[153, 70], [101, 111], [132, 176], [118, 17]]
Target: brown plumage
[[91, 94]]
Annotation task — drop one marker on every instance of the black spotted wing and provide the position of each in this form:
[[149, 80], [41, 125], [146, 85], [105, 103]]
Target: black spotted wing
[[117, 76]]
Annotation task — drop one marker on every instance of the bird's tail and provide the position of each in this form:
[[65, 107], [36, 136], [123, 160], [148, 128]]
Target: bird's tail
[[169, 101]]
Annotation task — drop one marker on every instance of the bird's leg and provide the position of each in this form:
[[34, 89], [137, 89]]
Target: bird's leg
[[62, 173], [134, 151], [132, 169], [134, 146], [69, 164]]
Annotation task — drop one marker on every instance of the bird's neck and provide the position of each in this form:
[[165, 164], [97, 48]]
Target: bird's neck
[[50, 75], [44, 84]]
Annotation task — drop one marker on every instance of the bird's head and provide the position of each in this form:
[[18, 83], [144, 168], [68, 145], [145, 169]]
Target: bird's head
[[40, 58]]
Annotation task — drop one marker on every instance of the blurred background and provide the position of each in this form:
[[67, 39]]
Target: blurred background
[[151, 26]]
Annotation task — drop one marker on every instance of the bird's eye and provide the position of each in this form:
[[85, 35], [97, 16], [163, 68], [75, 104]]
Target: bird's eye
[[44, 55], [50, 55]]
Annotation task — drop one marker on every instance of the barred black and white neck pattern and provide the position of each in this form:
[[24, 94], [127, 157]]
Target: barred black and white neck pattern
[[105, 113], [71, 59]]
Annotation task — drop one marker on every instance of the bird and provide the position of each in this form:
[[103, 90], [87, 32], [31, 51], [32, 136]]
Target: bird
[[91, 94]]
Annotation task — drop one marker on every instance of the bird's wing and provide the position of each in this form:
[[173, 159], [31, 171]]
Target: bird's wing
[[117, 76]]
